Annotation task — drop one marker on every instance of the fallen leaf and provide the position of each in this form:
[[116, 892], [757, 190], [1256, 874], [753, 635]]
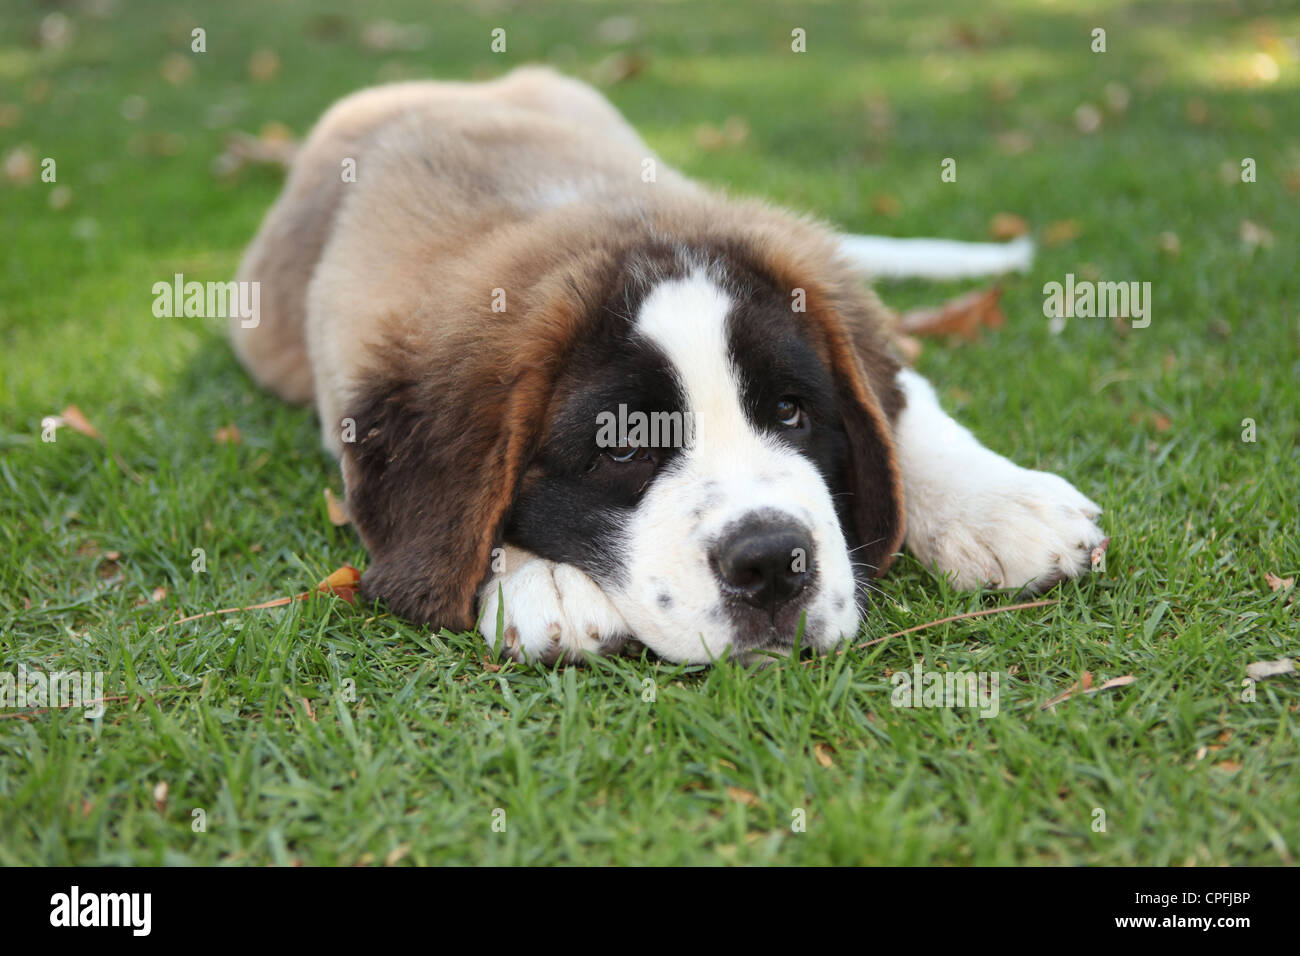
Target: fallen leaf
[[618, 67], [338, 514], [1117, 97], [742, 796], [823, 755], [883, 204], [1082, 685], [1087, 118], [1261, 669], [73, 418], [176, 69], [1113, 682], [157, 594], [1099, 554], [160, 796], [396, 854], [963, 316], [621, 29], [1252, 234], [1275, 583], [273, 146], [343, 582], [19, 164], [1061, 232], [1007, 225], [385, 36], [263, 65], [227, 435], [1014, 142]]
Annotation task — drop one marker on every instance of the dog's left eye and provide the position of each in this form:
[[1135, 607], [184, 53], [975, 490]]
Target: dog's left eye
[[789, 413]]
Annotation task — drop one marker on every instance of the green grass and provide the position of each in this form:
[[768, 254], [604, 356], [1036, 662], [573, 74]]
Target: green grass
[[247, 716]]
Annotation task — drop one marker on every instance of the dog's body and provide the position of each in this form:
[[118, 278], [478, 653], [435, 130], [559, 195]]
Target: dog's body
[[511, 269]]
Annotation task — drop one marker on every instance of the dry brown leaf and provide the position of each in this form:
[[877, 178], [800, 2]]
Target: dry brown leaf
[[1014, 142], [884, 204], [157, 594], [1253, 234], [1007, 225], [618, 67], [396, 854], [1099, 554], [1275, 583], [1261, 669], [160, 796], [742, 796], [263, 65], [176, 69], [343, 582], [823, 755], [1060, 232], [78, 422], [227, 435], [385, 36], [274, 146], [1114, 682], [19, 165], [963, 316], [1083, 684], [1087, 118], [338, 514]]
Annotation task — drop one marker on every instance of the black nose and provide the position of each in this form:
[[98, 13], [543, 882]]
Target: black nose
[[766, 561]]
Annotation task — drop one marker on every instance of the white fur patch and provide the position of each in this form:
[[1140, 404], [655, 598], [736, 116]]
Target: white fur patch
[[975, 515], [551, 611]]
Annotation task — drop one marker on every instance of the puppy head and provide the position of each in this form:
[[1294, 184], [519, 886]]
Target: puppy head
[[716, 460], [673, 425]]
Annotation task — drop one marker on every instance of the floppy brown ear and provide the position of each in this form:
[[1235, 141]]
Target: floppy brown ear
[[430, 477], [864, 371]]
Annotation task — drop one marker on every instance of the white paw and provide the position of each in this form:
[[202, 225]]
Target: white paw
[[552, 612], [1012, 528]]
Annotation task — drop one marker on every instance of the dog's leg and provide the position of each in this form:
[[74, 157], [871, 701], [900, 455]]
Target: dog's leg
[[883, 257], [552, 611], [974, 514]]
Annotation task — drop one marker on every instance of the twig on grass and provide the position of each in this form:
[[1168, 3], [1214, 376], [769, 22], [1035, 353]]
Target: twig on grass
[[959, 617]]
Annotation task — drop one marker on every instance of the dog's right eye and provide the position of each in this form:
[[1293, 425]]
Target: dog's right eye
[[623, 454]]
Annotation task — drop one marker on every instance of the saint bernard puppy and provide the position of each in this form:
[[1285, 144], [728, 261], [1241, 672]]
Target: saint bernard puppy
[[488, 313]]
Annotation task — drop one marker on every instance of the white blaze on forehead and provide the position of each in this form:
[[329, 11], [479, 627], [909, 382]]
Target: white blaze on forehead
[[687, 319], [733, 469]]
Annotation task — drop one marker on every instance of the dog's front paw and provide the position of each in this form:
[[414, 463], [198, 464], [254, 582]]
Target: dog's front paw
[[1015, 529], [552, 612]]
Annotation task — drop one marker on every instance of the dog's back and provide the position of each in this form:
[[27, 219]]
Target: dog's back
[[445, 162]]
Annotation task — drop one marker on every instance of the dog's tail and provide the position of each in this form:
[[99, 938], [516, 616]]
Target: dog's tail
[[882, 257]]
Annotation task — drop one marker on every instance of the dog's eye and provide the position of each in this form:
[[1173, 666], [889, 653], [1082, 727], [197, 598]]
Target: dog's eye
[[789, 413], [628, 453]]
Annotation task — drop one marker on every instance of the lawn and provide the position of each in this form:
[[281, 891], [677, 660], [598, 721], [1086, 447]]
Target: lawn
[[331, 733]]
